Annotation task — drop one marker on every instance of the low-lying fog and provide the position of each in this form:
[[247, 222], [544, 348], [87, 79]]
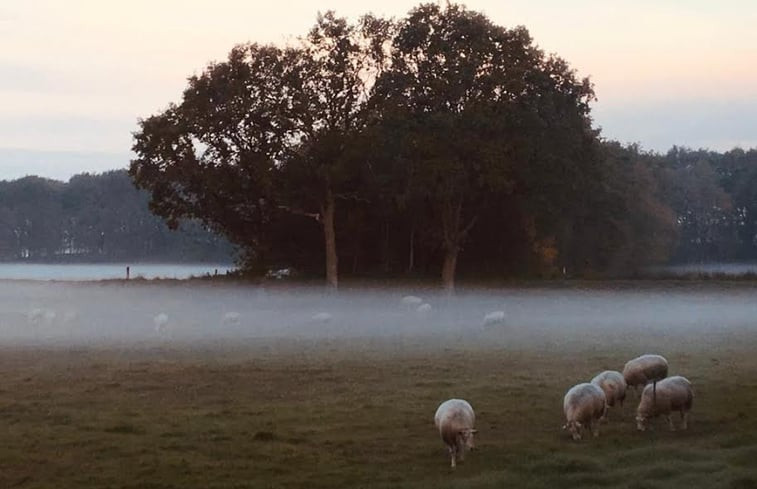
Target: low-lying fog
[[76, 313]]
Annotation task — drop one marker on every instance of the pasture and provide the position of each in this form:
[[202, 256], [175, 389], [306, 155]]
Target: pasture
[[285, 413], [93, 396]]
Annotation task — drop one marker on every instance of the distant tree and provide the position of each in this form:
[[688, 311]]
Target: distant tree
[[94, 217], [36, 222], [707, 224], [737, 171], [627, 224]]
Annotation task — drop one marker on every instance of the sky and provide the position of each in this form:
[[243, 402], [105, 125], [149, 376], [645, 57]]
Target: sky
[[76, 75]]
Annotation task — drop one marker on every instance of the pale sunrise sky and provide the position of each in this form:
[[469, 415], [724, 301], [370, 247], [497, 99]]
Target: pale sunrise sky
[[75, 75]]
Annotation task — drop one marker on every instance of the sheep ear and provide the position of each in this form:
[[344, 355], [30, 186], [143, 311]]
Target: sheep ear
[[565, 426], [473, 431]]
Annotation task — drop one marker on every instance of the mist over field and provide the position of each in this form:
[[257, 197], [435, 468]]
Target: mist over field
[[284, 385], [59, 313]]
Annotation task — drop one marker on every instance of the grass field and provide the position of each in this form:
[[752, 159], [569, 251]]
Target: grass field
[[358, 413]]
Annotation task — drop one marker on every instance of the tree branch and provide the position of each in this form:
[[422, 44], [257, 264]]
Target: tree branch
[[300, 212]]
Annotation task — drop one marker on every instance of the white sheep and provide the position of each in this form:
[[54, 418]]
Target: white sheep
[[645, 369], [614, 386], [49, 316], [321, 317], [70, 316], [35, 316], [584, 405], [424, 308], [231, 319], [673, 394], [39, 316], [161, 323], [455, 419], [411, 300], [494, 318]]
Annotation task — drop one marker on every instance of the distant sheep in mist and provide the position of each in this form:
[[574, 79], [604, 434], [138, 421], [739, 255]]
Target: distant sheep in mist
[[161, 323], [40, 316], [424, 308], [70, 316], [455, 420], [494, 318], [231, 319], [411, 300], [321, 317]]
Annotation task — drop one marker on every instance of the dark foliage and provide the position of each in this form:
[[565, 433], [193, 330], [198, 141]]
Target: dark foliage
[[437, 142], [95, 218]]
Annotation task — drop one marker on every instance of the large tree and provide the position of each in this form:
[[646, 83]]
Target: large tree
[[330, 87], [264, 133], [481, 113], [213, 156]]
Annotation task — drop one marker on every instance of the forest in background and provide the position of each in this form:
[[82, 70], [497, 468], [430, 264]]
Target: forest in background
[[95, 218]]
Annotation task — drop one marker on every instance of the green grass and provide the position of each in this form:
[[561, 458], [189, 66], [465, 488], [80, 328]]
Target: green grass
[[334, 414]]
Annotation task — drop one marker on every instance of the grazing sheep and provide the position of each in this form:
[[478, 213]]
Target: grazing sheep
[[455, 419], [321, 317], [70, 316], [39, 316], [231, 319], [673, 394], [35, 316], [424, 308], [613, 385], [645, 369], [161, 323], [584, 405], [411, 300], [493, 318]]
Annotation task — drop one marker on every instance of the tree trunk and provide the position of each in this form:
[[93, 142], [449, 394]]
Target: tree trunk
[[330, 241], [386, 252], [411, 258], [448, 268]]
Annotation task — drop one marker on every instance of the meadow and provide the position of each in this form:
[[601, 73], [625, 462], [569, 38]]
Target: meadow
[[358, 413]]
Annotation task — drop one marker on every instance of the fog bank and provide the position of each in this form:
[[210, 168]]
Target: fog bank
[[56, 313]]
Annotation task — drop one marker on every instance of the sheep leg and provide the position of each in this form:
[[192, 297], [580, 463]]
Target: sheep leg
[[684, 420], [452, 454], [594, 426], [460, 451], [670, 422]]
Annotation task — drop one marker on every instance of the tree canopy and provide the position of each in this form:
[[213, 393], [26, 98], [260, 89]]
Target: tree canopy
[[440, 141]]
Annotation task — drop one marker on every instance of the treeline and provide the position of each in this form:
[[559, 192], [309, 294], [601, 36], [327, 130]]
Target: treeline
[[440, 142], [94, 218], [714, 199]]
